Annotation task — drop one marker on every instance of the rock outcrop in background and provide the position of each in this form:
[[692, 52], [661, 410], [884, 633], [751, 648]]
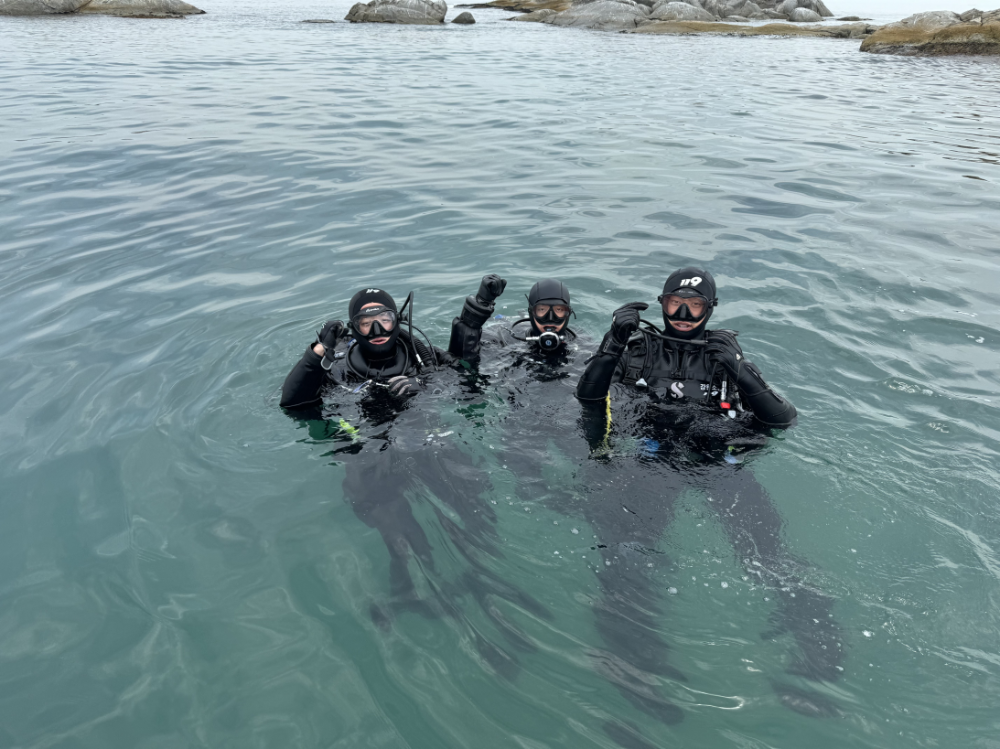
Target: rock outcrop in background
[[610, 17], [858, 30], [941, 32], [124, 8], [605, 15], [414, 12]]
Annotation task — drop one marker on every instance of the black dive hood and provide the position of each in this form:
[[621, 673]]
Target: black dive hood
[[549, 291], [371, 351], [689, 282]]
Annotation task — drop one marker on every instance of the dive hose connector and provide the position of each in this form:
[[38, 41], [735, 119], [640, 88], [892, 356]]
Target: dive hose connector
[[549, 340]]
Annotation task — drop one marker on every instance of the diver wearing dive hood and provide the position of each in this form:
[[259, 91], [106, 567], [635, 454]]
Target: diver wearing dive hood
[[373, 349], [546, 328], [685, 361]]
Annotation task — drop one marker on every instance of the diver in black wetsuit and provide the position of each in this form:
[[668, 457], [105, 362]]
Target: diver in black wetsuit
[[695, 398], [380, 354], [686, 361], [546, 329], [368, 372], [375, 365]]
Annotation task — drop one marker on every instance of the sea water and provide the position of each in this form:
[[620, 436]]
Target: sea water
[[183, 203]]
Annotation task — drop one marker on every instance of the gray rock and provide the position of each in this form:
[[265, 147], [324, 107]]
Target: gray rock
[[678, 11], [747, 9], [737, 19], [647, 3], [936, 33], [39, 7], [786, 7], [815, 5], [931, 21], [465, 17], [140, 8], [418, 12], [804, 15], [319, 20], [606, 15], [538, 16], [970, 15]]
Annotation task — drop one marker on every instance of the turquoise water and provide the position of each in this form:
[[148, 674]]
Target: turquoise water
[[183, 203]]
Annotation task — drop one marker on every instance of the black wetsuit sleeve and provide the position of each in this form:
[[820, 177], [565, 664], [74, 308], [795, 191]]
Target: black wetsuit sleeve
[[304, 383], [603, 368], [767, 406], [467, 329], [446, 358]]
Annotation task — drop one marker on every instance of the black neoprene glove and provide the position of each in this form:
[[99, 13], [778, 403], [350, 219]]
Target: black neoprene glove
[[331, 334], [625, 321], [490, 288], [404, 386], [723, 350]]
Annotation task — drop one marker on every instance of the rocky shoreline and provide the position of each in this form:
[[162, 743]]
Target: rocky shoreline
[[974, 32], [121, 8], [733, 11], [935, 33]]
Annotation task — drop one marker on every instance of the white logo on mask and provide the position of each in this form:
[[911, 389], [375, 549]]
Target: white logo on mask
[[676, 390], [372, 291], [692, 281]]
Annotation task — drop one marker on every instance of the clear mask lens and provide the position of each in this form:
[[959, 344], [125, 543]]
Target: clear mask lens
[[363, 321], [697, 305], [550, 313]]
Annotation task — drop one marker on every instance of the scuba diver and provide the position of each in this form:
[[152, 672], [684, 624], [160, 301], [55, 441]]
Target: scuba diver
[[695, 401], [685, 361], [373, 351], [546, 330], [354, 386]]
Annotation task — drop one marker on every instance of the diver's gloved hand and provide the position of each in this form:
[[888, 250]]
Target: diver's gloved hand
[[404, 386], [625, 321], [490, 288], [477, 309], [724, 351], [330, 335]]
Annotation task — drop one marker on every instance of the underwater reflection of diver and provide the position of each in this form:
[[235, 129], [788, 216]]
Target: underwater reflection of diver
[[354, 387]]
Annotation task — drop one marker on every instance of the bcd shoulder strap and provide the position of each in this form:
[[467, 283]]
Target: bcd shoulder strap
[[635, 359]]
